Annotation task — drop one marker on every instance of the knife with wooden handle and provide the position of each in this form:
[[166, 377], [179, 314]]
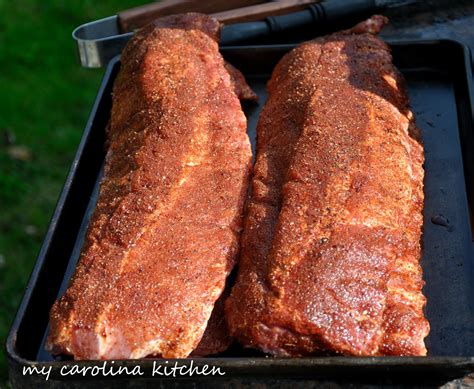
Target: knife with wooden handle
[[261, 11], [131, 19], [99, 41], [103, 39]]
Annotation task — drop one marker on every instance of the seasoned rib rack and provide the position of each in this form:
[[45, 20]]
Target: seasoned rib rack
[[165, 231], [331, 243]]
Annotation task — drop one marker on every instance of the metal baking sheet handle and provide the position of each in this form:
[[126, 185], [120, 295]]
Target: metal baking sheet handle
[[98, 41]]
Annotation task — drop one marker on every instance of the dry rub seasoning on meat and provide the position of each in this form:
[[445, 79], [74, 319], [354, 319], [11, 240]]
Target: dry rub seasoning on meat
[[331, 242], [165, 231]]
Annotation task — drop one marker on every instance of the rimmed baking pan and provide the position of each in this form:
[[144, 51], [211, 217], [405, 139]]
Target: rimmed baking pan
[[439, 80]]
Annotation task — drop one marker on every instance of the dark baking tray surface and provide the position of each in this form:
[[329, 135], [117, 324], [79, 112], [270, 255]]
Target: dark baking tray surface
[[439, 81]]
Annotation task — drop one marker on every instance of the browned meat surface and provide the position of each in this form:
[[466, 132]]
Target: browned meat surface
[[241, 87], [331, 243], [211, 27], [165, 231], [216, 338], [189, 21]]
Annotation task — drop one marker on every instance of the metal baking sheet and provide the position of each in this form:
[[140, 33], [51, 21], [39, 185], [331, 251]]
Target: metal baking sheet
[[439, 82]]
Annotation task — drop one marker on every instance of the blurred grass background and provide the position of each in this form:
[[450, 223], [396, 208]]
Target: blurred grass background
[[44, 104]]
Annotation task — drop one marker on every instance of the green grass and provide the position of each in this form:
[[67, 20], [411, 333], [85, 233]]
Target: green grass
[[44, 103]]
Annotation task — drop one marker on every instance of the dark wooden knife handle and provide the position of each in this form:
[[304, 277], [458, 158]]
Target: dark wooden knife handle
[[134, 18], [261, 11]]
